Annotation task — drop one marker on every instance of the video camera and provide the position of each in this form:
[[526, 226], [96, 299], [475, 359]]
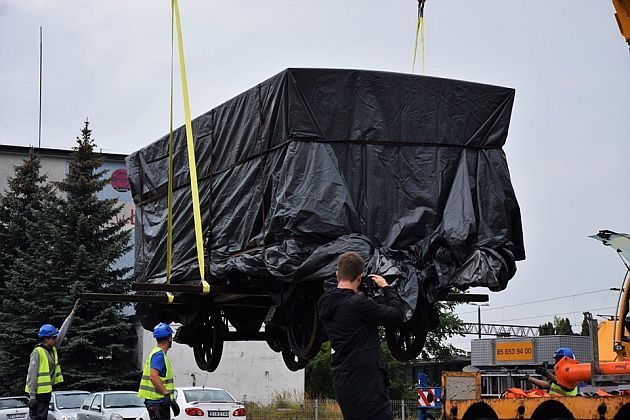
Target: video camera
[[368, 287]]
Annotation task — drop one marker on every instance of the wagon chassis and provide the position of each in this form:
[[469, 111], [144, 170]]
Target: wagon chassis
[[211, 317]]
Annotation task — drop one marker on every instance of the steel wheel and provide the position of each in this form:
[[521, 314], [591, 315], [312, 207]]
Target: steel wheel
[[208, 344], [406, 341], [293, 362], [304, 333], [276, 338]]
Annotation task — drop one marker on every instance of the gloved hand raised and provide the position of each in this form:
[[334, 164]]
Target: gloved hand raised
[[542, 371], [76, 306]]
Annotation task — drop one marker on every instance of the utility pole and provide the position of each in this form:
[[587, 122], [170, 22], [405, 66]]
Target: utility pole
[[39, 137], [479, 319], [478, 305]]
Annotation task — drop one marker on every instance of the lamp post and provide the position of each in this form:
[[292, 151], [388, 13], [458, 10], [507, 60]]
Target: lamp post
[[479, 305]]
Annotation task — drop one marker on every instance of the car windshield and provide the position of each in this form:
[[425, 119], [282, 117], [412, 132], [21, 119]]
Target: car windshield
[[122, 401], [6, 403], [67, 401], [207, 395]]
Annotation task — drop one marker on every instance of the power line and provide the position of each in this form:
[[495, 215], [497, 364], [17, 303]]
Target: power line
[[537, 301], [558, 313]]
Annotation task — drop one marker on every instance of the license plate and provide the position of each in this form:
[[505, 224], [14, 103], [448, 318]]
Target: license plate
[[16, 416], [218, 413]]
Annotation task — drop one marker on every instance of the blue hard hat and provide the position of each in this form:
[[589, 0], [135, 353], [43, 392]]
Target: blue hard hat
[[563, 352], [162, 330], [47, 330]]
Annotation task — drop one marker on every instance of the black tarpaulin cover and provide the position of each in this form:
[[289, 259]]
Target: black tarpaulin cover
[[406, 170]]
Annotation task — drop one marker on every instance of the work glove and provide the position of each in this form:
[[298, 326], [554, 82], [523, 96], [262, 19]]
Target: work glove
[[542, 371], [175, 408], [76, 306], [32, 404], [527, 376]]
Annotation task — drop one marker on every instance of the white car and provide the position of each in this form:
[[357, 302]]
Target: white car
[[13, 408], [64, 405], [111, 405], [197, 403]]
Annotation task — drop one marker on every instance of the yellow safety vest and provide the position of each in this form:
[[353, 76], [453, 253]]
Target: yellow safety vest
[[44, 381], [147, 391], [557, 390]]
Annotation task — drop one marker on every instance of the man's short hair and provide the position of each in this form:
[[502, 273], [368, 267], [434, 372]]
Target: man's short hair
[[350, 266], [162, 339]]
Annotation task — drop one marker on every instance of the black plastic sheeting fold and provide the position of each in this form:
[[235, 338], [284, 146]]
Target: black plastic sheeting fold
[[406, 170]]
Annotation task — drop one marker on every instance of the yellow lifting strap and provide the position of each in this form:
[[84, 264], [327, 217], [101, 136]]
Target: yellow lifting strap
[[175, 19], [419, 31]]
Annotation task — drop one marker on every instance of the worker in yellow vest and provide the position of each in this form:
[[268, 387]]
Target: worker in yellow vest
[[156, 385], [44, 370], [552, 386]]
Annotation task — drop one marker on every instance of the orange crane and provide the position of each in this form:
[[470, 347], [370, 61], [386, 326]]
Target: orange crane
[[622, 14], [608, 372]]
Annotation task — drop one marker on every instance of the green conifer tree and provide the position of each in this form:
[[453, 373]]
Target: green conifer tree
[[76, 243], [99, 352], [562, 326], [546, 329], [20, 217], [26, 192]]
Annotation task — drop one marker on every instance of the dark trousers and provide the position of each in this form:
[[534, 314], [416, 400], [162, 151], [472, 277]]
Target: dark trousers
[[159, 411], [41, 410]]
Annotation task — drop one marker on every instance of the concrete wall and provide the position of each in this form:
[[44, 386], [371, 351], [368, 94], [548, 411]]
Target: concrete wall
[[249, 370]]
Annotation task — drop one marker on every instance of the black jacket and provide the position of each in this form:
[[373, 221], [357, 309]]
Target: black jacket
[[359, 373]]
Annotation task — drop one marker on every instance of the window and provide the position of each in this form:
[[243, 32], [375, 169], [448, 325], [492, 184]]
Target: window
[[123, 400], [6, 403], [65, 401], [207, 395], [96, 404], [86, 402]]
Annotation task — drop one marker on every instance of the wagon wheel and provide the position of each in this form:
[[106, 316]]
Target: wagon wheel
[[406, 341], [276, 338], [208, 345], [304, 332], [293, 362]]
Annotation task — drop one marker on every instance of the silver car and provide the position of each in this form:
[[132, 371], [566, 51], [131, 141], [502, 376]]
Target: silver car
[[13, 408], [64, 405], [111, 405]]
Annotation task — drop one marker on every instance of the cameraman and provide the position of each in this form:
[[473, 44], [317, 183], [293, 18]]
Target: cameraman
[[350, 318]]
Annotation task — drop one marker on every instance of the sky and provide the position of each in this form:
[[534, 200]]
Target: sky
[[569, 139]]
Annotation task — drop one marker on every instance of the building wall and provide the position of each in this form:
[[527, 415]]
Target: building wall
[[53, 166], [249, 370]]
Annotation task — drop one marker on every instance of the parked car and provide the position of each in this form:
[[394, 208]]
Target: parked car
[[64, 405], [13, 408], [213, 403], [111, 405]]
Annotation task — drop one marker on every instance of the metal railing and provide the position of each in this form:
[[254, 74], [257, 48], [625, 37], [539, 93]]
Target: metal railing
[[316, 409]]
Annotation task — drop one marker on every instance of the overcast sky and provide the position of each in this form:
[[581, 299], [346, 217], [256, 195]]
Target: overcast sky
[[568, 147]]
